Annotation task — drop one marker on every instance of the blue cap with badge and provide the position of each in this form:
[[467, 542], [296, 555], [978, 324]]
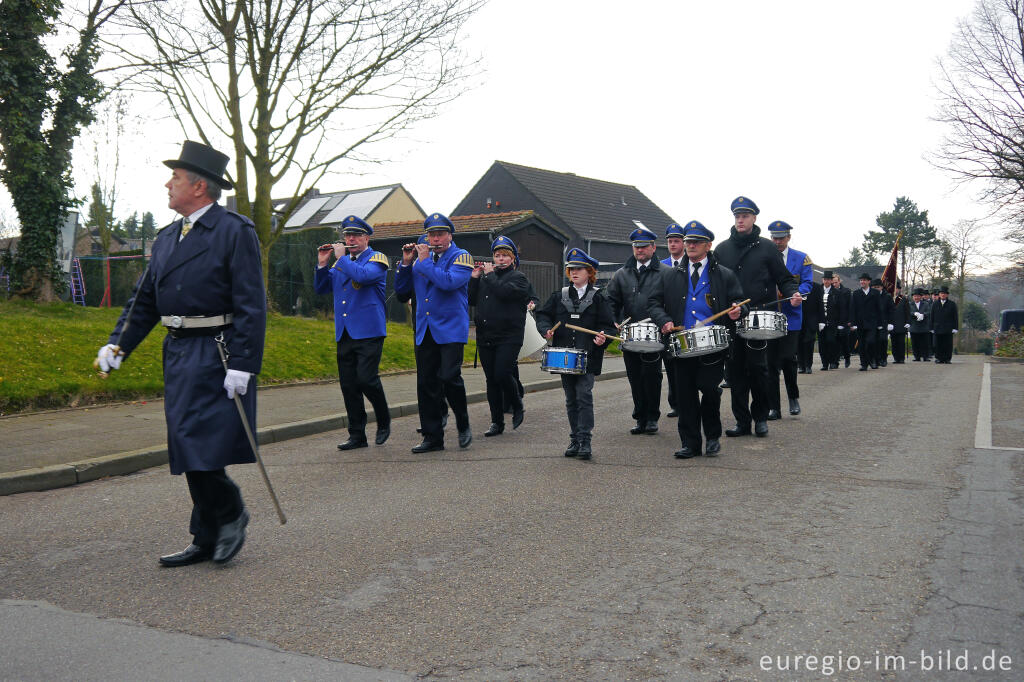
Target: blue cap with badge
[[504, 242], [674, 230], [779, 228], [355, 225], [438, 221], [641, 236], [422, 239], [696, 232], [744, 205], [578, 258]]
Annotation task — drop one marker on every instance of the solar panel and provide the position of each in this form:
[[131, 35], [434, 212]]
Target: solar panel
[[306, 211], [357, 204]]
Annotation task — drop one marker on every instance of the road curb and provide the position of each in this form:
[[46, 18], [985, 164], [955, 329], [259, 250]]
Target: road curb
[[118, 464]]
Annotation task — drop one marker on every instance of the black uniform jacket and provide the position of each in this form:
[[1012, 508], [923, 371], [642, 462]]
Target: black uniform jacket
[[886, 308], [668, 301], [900, 314], [866, 309], [597, 317], [214, 270], [500, 299], [812, 307], [755, 262], [924, 325], [944, 317], [837, 313], [629, 291]]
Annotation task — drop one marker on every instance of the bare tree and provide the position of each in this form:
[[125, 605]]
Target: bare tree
[[982, 92], [296, 86], [968, 246]]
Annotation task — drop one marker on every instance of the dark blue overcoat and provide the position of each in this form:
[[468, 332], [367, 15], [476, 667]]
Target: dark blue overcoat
[[215, 270]]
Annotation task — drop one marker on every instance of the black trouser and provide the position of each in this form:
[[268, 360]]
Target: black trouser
[[439, 377], [882, 347], [670, 378], [919, 342], [579, 405], [644, 373], [782, 358], [748, 380], [358, 367], [702, 374], [499, 362], [805, 345], [866, 337], [216, 500], [899, 344], [845, 339], [944, 347], [828, 345]]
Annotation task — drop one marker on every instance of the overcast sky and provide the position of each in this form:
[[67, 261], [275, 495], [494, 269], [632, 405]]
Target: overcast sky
[[819, 111]]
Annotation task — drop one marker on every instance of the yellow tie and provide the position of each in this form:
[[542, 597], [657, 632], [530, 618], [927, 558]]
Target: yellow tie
[[186, 225]]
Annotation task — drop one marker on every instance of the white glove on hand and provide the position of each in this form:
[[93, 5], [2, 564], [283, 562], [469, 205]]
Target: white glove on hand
[[821, 325], [109, 358], [888, 327], [841, 327], [906, 326], [919, 316], [853, 327], [954, 331], [879, 327], [236, 381]]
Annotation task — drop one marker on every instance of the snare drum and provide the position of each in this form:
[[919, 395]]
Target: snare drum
[[762, 324], [642, 337], [690, 343], [564, 360]]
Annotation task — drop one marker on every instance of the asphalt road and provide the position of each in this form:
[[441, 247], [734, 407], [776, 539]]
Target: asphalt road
[[867, 527]]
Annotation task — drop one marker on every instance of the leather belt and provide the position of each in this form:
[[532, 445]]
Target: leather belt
[[195, 321]]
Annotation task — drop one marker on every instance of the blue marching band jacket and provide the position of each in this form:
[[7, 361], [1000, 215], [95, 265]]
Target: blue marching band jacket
[[442, 294], [358, 287], [798, 263]]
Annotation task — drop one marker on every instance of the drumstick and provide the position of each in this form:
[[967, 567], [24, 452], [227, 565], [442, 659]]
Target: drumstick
[[590, 331], [552, 330], [703, 322]]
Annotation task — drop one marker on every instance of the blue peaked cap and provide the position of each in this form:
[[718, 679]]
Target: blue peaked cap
[[504, 242], [578, 258], [423, 239], [674, 230], [642, 235], [696, 232], [438, 221], [780, 228], [355, 224], [744, 205]]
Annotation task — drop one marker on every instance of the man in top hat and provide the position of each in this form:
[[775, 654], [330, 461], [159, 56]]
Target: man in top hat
[[629, 292], [844, 335], [900, 325], [676, 257], [886, 310], [866, 320], [756, 263], [438, 274], [684, 296], [358, 279], [920, 325], [831, 314], [204, 283], [782, 352], [945, 319]]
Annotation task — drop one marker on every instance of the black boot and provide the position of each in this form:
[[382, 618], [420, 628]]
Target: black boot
[[573, 449], [584, 450], [495, 430]]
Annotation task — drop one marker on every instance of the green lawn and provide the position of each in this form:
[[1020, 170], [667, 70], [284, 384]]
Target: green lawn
[[46, 354]]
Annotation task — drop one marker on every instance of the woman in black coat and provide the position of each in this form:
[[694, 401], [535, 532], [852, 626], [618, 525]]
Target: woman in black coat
[[500, 294]]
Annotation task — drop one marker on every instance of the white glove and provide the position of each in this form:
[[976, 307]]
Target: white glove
[[236, 381], [906, 326], [888, 327], [853, 327], [841, 327], [821, 325], [879, 327], [954, 331], [109, 358], [919, 316]]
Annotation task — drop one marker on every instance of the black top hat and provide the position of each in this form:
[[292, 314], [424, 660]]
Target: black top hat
[[943, 290], [827, 274], [205, 160], [865, 275]]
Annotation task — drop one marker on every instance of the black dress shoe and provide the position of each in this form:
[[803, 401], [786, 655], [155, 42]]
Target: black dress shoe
[[835, 365], [383, 433], [230, 539], [808, 371], [584, 451], [517, 417], [801, 371], [427, 446], [686, 452], [193, 554], [824, 368], [773, 414], [352, 443], [794, 406], [760, 429], [874, 365], [465, 437], [713, 448], [638, 429], [883, 363], [673, 413], [651, 427], [737, 431], [864, 369], [573, 449], [444, 420], [494, 430], [847, 362], [724, 384]]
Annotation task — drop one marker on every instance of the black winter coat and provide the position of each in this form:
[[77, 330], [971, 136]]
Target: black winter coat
[[629, 291], [944, 317], [866, 309], [500, 299], [755, 262], [668, 301], [597, 317]]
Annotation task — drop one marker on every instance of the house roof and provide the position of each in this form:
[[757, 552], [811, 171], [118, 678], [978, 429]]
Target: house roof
[[594, 209], [318, 209], [464, 224]]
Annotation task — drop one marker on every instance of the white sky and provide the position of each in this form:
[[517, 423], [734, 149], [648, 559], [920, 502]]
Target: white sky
[[819, 111]]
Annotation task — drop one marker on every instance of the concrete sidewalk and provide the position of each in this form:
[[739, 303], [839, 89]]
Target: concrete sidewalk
[[58, 448]]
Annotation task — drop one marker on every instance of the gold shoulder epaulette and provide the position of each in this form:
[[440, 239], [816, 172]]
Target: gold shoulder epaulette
[[379, 257], [464, 259], [807, 260]]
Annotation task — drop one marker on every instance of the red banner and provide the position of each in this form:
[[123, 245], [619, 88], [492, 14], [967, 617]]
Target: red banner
[[889, 275]]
